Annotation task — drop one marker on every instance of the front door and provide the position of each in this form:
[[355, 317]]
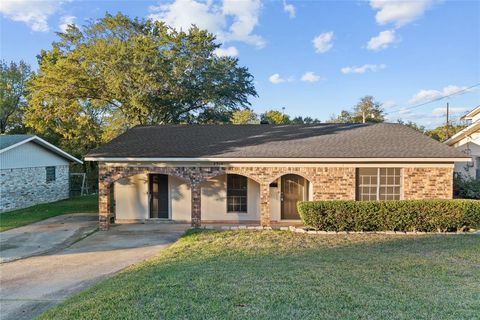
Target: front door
[[294, 189], [158, 196]]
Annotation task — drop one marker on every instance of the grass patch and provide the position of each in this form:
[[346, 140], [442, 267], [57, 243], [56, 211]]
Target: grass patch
[[21, 217], [283, 275]]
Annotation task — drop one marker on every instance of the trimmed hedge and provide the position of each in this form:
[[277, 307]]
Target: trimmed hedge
[[395, 215]]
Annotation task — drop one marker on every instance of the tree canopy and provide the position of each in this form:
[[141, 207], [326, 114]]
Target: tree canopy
[[366, 110], [246, 116], [13, 92], [118, 72], [275, 117]]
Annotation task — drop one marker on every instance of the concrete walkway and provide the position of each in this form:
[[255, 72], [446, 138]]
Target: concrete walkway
[[46, 236], [32, 285]]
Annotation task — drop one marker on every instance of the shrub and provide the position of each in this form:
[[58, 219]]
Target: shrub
[[466, 188], [397, 215]]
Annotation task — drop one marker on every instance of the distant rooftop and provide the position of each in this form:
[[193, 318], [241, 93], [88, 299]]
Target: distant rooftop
[[7, 140], [11, 141]]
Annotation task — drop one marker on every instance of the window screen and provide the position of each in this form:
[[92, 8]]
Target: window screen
[[236, 193], [378, 184], [50, 173]]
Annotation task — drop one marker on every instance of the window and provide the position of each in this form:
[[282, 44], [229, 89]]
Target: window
[[378, 183], [236, 193], [50, 173]]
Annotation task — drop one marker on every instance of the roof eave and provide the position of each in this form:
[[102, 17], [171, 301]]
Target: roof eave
[[471, 114], [278, 160], [474, 127], [46, 145]]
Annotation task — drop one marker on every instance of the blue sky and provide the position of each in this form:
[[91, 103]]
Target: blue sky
[[313, 58]]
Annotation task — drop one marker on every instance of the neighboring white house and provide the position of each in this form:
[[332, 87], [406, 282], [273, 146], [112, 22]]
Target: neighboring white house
[[32, 171], [468, 141]]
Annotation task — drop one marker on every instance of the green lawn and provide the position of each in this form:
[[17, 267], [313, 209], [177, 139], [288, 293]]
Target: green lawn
[[283, 275], [21, 217]]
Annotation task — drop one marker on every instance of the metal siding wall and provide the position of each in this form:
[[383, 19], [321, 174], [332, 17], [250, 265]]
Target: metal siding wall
[[30, 155]]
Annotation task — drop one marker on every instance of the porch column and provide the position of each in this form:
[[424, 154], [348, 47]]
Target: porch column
[[265, 204], [196, 205], [104, 205]]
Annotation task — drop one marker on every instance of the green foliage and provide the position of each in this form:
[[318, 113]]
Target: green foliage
[[442, 133], [275, 117], [466, 188], [399, 215], [413, 125], [116, 73], [246, 116], [13, 92], [366, 110], [306, 120]]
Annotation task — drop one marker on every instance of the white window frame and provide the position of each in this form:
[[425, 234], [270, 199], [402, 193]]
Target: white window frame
[[378, 185]]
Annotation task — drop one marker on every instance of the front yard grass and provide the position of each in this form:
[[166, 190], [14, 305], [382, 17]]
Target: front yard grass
[[283, 275], [21, 217]]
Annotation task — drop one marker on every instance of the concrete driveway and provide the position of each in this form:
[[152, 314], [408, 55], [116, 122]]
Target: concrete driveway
[[46, 236], [30, 286]]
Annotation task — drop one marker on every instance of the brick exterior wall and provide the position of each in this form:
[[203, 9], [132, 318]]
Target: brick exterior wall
[[24, 187], [427, 183], [329, 183]]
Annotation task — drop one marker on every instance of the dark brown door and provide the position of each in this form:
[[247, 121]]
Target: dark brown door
[[159, 196], [294, 189]]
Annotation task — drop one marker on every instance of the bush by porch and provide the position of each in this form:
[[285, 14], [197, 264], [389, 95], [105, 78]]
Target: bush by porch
[[400, 215]]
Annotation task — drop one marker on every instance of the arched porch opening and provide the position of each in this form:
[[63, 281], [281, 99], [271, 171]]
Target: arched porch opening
[[136, 194], [230, 198], [285, 192]]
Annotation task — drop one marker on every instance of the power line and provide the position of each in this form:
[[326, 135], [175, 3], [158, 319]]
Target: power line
[[434, 100]]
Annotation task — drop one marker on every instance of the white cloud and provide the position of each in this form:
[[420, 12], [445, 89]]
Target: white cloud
[[441, 111], [245, 15], [404, 111], [181, 14], [323, 42], [389, 104], [289, 8], [399, 12], [65, 21], [382, 41], [230, 20], [363, 69], [276, 79], [310, 77], [431, 94], [226, 52], [33, 13]]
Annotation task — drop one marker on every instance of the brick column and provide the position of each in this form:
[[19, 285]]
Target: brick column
[[265, 204], [104, 205], [196, 205]]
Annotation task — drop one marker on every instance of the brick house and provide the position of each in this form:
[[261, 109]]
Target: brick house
[[257, 173], [32, 171], [468, 141]]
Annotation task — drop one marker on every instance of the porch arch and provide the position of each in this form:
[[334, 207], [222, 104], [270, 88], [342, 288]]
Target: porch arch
[[291, 188], [308, 177]]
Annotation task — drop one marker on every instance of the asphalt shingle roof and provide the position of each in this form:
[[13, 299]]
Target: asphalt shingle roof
[[383, 140], [7, 140]]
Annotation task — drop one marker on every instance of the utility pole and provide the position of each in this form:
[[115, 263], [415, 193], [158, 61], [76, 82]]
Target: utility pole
[[446, 124]]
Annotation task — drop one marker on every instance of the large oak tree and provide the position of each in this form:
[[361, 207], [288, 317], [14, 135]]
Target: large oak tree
[[116, 73]]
